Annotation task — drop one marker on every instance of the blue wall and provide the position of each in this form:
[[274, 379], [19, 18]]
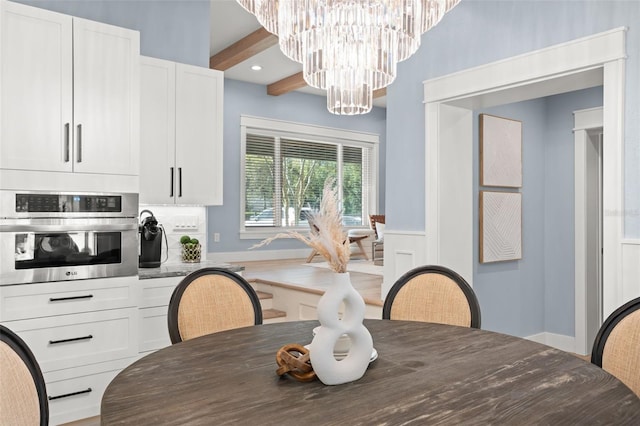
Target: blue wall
[[536, 293], [252, 99], [477, 32], [511, 294], [173, 30]]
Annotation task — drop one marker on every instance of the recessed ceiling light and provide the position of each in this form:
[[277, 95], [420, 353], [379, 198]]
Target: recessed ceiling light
[[256, 67]]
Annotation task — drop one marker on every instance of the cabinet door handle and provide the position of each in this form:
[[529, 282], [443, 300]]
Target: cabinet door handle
[[66, 142], [179, 181], [60, 299], [65, 395], [79, 143], [171, 187], [73, 339]]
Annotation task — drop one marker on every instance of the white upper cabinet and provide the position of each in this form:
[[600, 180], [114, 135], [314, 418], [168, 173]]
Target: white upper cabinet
[[180, 133], [36, 88], [157, 131], [69, 91], [106, 98]]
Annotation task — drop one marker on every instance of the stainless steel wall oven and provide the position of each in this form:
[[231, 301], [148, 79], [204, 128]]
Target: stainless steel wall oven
[[67, 236]]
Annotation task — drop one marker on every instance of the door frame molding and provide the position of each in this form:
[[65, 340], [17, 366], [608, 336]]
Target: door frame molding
[[584, 121], [531, 75]]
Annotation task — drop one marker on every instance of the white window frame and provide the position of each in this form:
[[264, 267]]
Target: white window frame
[[311, 133]]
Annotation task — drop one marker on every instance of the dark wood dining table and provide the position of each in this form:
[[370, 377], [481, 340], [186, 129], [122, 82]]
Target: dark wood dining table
[[425, 374]]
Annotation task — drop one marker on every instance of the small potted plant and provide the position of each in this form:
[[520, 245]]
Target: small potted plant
[[191, 249]]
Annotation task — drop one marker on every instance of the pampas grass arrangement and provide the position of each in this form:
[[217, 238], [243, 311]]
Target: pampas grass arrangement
[[327, 236]]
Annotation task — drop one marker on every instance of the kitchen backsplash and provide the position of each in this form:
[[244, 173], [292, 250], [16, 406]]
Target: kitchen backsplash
[[178, 221]]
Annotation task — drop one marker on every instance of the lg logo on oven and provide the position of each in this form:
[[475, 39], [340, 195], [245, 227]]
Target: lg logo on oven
[[71, 273]]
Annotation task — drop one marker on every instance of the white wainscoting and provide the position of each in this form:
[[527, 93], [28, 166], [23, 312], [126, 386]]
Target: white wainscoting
[[630, 269], [403, 251]]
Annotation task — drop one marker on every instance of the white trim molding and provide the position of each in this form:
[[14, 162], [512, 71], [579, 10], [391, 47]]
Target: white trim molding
[[403, 251], [529, 68], [307, 129], [584, 269], [595, 60], [630, 269], [589, 118]]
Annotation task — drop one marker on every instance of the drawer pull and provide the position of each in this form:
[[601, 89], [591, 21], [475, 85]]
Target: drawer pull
[[60, 299], [51, 398], [74, 339]]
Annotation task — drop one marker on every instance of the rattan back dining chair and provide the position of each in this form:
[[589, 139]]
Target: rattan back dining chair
[[432, 294], [617, 345], [211, 300], [23, 393]]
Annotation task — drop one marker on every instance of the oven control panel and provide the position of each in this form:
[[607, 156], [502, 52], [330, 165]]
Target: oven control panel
[[68, 203]]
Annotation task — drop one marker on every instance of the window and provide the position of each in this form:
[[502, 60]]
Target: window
[[286, 165]]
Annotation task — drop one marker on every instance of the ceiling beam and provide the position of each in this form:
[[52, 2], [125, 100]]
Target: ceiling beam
[[286, 85], [380, 93], [243, 49], [251, 45]]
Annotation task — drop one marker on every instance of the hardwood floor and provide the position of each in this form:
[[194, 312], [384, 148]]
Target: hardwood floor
[[90, 421], [586, 358]]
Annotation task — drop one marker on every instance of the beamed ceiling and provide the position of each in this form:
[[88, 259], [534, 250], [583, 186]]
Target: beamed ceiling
[[238, 42]]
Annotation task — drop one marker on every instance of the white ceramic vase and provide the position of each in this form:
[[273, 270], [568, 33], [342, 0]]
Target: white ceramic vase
[[352, 367]]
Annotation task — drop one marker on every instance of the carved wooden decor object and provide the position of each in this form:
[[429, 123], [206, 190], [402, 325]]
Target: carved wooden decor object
[[293, 359]]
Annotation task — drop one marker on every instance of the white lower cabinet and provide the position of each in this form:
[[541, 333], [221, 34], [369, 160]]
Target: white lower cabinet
[[157, 291], [66, 341], [82, 334], [154, 330], [154, 304], [66, 297], [77, 393]]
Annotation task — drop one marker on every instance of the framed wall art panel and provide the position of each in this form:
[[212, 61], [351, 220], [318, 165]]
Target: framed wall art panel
[[500, 151], [500, 226]]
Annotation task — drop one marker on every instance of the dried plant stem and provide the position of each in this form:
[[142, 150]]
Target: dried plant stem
[[327, 235]]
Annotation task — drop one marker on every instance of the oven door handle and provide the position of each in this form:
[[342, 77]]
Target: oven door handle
[[69, 228]]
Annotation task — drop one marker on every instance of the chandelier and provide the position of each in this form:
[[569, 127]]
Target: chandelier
[[348, 47]]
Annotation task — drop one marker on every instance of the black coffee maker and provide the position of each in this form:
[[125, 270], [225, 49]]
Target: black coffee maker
[[150, 241]]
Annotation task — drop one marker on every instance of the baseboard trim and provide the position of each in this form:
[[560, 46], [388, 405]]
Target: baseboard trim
[[558, 341]]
